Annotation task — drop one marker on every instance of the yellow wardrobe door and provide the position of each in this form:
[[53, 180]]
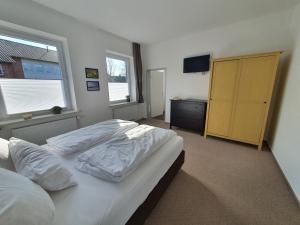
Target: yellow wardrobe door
[[253, 95], [221, 97]]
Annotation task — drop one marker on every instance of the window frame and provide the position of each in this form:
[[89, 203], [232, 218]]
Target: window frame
[[60, 43], [128, 60]]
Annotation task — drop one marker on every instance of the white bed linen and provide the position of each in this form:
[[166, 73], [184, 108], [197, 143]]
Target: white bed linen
[[98, 202], [117, 158], [86, 137]]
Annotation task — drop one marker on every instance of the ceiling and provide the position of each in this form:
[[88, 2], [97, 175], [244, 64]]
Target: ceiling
[[150, 21]]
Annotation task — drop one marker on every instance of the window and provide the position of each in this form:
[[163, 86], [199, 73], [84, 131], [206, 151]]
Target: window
[[118, 72], [1, 70], [34, 79]]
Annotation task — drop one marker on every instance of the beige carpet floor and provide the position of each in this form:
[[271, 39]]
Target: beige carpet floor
[[225, 183]]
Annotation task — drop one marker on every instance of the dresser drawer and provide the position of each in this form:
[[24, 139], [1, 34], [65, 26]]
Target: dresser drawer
[[188, 114], [187, 110], [188, 124]]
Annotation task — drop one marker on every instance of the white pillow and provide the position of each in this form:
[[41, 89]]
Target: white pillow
[[23, 202], [39, 165], [5, 159]]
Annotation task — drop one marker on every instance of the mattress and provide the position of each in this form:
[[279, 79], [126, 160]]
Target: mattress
[[98, 202]]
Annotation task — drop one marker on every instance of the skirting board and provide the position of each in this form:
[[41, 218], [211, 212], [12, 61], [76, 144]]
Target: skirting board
[[286, 180]]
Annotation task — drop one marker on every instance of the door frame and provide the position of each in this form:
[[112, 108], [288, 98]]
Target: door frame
[[148, 90]]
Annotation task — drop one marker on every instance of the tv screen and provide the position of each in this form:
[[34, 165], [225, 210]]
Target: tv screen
[[196, 64]]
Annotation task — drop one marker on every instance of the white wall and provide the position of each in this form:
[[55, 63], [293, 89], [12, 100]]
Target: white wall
[[263, 34], [285, 142], [87, 46]]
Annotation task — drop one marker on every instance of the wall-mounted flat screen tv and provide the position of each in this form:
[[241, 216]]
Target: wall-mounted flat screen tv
[[196, 64]]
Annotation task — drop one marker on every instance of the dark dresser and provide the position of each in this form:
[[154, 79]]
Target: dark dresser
[[189, 114]]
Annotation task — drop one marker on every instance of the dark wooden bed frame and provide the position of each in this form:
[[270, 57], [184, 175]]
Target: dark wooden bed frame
[[143, 211]]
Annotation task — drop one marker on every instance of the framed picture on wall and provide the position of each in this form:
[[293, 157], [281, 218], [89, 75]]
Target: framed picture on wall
[[93, 85], [91, 73]]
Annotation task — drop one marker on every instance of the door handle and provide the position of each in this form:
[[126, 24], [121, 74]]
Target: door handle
[[265, 102]]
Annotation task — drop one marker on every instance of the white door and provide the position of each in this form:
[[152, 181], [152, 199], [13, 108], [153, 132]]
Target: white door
[[157, 95]]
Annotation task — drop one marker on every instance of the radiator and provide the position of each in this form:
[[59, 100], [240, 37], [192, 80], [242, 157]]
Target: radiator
[[130, 112], [40, 132]]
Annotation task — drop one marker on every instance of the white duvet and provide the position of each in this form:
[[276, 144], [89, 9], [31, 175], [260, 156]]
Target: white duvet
[[85, 138], [121, 155]]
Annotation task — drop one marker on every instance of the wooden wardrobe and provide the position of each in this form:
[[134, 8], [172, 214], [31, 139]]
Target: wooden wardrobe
[[239, 97]]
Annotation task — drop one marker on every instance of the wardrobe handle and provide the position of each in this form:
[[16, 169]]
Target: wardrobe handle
[[265, 102]]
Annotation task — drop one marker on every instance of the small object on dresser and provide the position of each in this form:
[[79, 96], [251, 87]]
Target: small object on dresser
[[56, 110], [27, 116], [128, 98], [176, 98]]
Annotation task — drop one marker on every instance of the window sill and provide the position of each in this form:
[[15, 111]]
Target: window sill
[[38, 119], [122, 105]]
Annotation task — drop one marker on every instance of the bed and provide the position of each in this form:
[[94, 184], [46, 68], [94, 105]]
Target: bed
[[98, 202]]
